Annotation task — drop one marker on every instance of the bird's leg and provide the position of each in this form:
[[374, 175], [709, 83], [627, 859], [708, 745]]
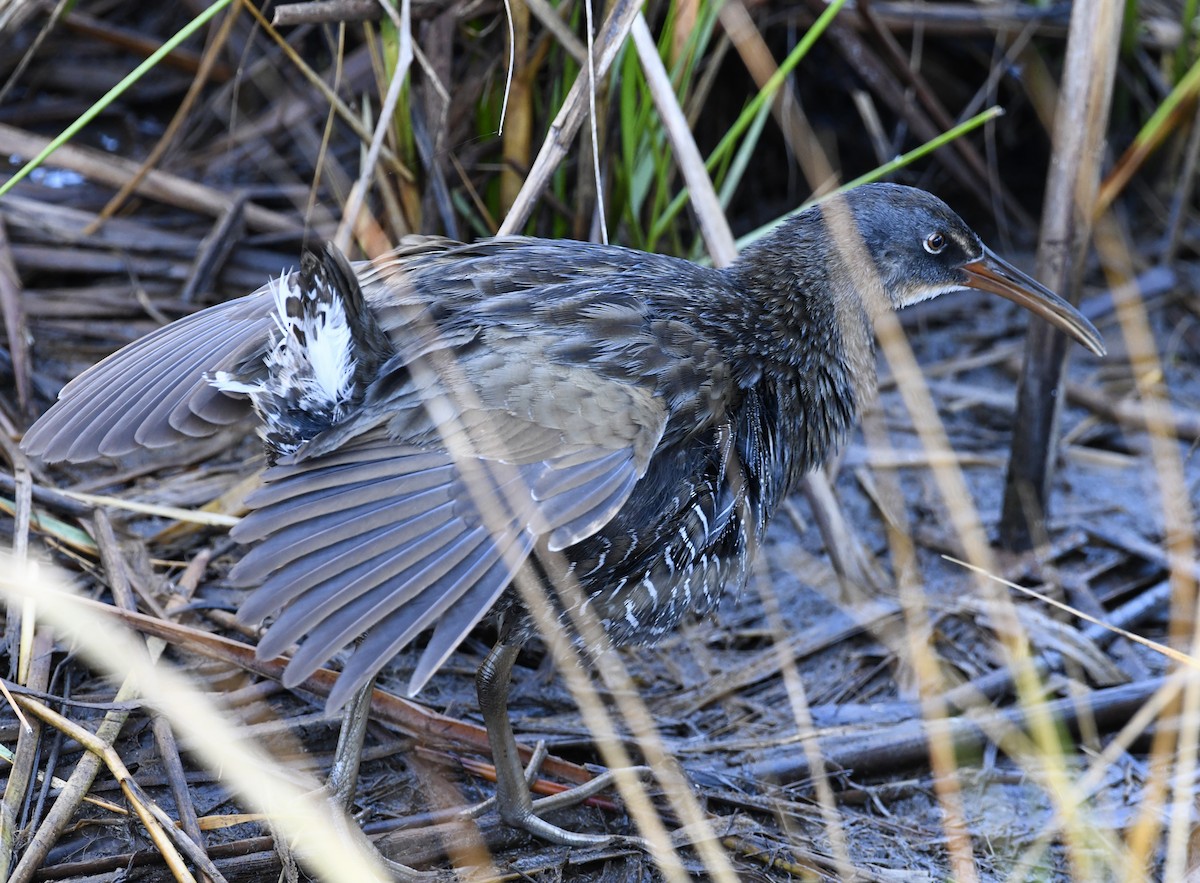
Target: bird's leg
[[343, 775], [531, 774], [513, 800], [343, 780]]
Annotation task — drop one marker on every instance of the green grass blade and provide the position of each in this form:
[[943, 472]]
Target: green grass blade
[[765, 94], [115, 92]]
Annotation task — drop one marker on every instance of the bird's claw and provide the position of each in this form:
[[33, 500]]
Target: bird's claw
[[529, 818], [582, 792]]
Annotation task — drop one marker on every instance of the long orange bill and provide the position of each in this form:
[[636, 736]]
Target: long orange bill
[[994, 274]]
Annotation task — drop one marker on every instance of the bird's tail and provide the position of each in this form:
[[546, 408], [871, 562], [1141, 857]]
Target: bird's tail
[[326, 347]]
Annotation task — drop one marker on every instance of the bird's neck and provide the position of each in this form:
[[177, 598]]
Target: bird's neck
[[808, 338]]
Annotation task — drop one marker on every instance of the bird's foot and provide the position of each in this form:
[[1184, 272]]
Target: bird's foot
[[526, 814], [404, 874], [529, 821], [539, 827], [580, 793]]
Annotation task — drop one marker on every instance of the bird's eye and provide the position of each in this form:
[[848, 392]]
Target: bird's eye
[[935, 243]]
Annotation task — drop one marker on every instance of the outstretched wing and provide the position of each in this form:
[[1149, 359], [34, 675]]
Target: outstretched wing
[[382, 538], [153, 393]]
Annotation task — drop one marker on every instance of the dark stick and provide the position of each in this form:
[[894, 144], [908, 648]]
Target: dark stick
[[907, 744], [1081, 120]]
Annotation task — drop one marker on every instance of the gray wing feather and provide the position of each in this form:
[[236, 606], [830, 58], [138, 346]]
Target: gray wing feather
[[276, 514], [137, 396], [173, 372], [332, 619], [454, 622], [456, 613], [381, 540], [308, 539], [332, 568], [579, 511], [579, 522], [369, 610], [564, 474]]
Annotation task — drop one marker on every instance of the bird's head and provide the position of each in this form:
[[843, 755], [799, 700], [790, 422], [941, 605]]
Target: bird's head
[[920, 249]]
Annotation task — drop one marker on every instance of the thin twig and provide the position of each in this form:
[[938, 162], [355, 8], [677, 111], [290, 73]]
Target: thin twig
[[404, 57], [570, 116]]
